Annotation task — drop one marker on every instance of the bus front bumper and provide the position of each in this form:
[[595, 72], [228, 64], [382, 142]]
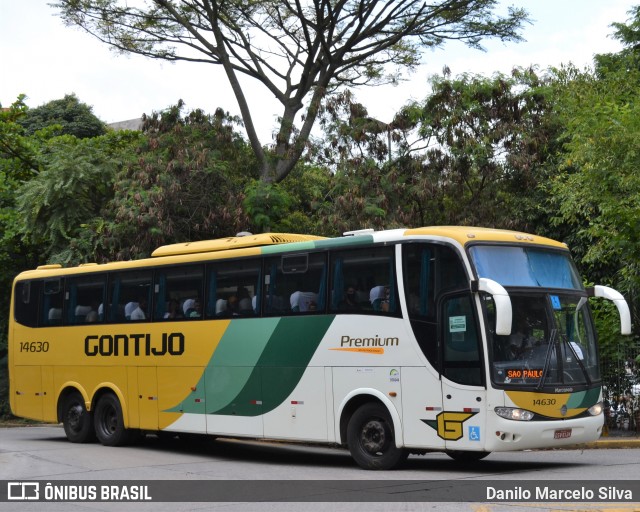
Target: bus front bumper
[[511, 435]]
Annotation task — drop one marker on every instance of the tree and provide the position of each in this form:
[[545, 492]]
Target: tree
[[73, 117], [61, 209], [19, 163], [488, 140], [185, 183], [297, 50], [473, 152], [629, 57], [596, 191]]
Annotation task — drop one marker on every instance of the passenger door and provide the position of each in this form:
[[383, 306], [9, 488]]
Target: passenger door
[[463, 420]]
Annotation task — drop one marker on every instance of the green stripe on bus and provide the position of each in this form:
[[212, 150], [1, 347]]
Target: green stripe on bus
[[583, 399], [231, 365], [280, 367], [296, 246]]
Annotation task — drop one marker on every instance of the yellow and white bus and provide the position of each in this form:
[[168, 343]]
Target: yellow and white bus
[[456, 339]]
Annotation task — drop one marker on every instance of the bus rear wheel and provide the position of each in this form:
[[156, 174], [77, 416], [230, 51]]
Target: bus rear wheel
[[77, 421], [371, 438], [109, 422]]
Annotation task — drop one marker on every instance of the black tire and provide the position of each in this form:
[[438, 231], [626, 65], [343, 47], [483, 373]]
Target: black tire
[[77, 421], [464, 456], [109, 422], [371, 438]]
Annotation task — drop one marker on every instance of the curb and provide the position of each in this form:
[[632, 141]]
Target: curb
[[612, 443]]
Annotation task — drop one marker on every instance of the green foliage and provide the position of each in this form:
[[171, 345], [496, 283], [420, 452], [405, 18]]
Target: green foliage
[[474, 152], [266, 204], [18, 150], [71, 116], [613, 347], [293, 206], [69, 195], [489, 140], [298, 51], [629, 58], [19, 162], [308, 188], [186, 183], [597, 192]]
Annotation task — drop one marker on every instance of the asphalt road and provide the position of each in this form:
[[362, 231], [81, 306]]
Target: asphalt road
[[43, 454]]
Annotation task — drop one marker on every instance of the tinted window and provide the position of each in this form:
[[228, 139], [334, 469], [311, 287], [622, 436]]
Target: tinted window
[[429, 270], [461, 347], [525, 266], [233, 289], [52, 302], [178, 293], [130, 296], [26, 298], [84, 299], [293, 287], [363, 280]]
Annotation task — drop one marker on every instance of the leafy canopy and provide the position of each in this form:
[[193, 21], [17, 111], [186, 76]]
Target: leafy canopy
[[298, 50], [71, 115]]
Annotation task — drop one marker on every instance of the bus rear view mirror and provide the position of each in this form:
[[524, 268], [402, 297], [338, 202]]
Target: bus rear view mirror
[[502, 301], [616, 297]]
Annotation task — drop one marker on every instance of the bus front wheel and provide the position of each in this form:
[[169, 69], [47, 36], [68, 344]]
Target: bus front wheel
[[109, 422], [77, 421], [371, 438]]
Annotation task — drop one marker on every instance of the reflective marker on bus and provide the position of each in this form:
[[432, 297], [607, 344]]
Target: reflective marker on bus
[[456, 339]]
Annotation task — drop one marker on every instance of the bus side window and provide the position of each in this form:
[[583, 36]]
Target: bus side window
[[233, 289], [27, 298], [178, 292], [84, 299], [51, 312], [363, 281], [461, 347], [130, 296], [295, 284], [430, 270]]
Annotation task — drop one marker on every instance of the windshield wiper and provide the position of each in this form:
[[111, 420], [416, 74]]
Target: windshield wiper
[[580, 305], [547, 358]]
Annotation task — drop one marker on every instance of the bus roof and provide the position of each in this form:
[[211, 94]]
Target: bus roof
[[468, 234], [232, 242], [273, 243]]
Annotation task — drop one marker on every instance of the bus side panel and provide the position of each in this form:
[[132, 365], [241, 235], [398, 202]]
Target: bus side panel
[[303, 415], [27, 391], [180, 385], [241, 416], [376, 383], [421, 407], [133, 397], [49, 403], [148, 397]]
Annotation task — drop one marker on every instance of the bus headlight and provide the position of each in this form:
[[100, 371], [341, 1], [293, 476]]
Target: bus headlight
[[596, 410], [511, 413]]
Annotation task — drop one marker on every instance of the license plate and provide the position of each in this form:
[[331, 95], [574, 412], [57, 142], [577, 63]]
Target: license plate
[[562, 434]]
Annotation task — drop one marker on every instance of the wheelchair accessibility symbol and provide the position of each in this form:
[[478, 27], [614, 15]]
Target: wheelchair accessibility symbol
[[474, 433]]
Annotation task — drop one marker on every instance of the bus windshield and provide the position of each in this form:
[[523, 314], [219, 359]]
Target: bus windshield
[[552, 343], [525, 266]]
